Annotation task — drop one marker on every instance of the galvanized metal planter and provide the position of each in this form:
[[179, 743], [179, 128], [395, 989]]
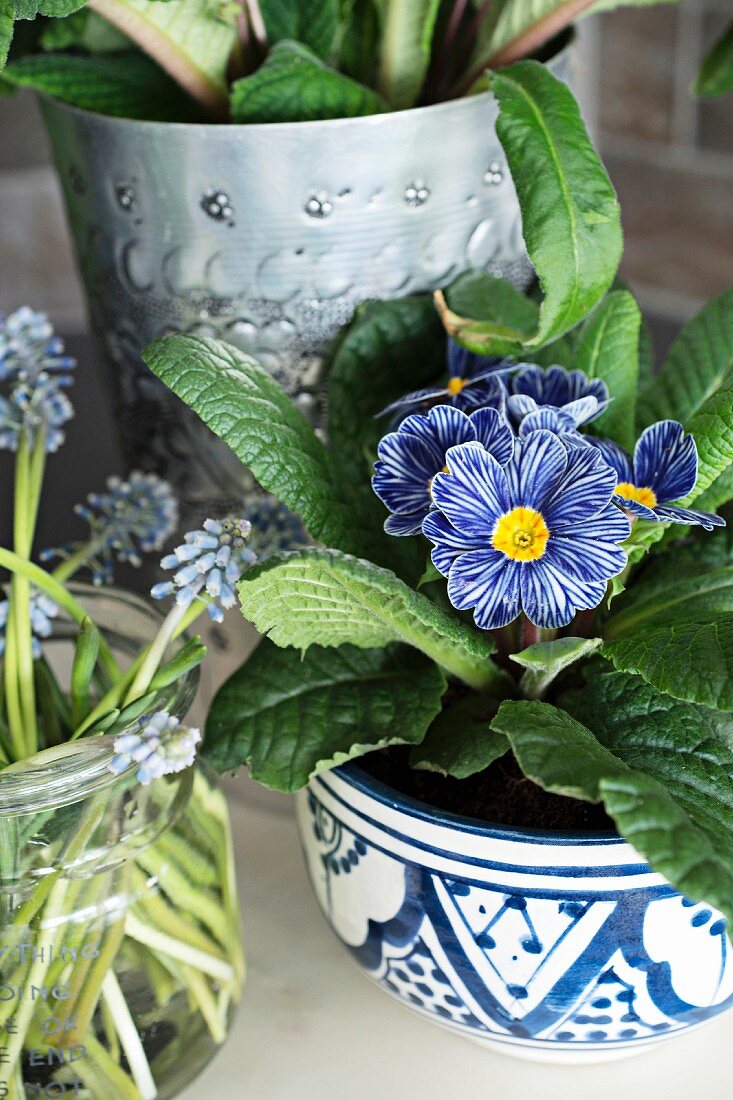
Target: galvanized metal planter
[[269, 236]]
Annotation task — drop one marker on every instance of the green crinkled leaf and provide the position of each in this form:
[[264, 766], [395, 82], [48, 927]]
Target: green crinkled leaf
[[30, 9], [716, 72], [556, 751], [389, 349], [684, 598], [407, 35], [608, 349], [697, 365], [127, 85], [84, 30], [718, 493], [570, 214], [313, 23], [242, 404], [460, 743], [7, 16], [289, 718], [293, 85], [688, 660], [712, 430], [320, 597], [663, 770], [544, 661]]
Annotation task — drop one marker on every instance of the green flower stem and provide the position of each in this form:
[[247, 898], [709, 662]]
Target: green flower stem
[[132, 1045], [66, 569], [46, 583], [205, 999], [114, 697], [178, 949], [155, 653]]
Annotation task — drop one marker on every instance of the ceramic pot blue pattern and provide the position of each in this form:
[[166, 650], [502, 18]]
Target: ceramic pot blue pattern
[[550, 947]]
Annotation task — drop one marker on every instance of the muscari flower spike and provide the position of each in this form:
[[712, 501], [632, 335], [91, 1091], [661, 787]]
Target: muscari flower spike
[[409, 459], [663, 470], [43, 610], [578, 397], [134, 516], [273, 527], [211, 560], [473, 382], [540, 534], [29, 348], [36, 373], [158, 744]]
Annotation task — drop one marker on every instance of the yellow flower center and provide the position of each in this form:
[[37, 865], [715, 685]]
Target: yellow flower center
[[640, 494], [455, 385], [521, 534]]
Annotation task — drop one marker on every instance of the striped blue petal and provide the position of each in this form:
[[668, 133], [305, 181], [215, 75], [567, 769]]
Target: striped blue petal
[[402, 473], [550, 598], [538, 463], [586, 560], [665, 460], [583, 490], [413, 400], [615, 456], [636, 508], [475, 493], [610, 525], [520, 405], [583, 409], [488, 582], [449, 543], [689, 516], [408, 524], [493, 433], [547, 419], [443, 427]]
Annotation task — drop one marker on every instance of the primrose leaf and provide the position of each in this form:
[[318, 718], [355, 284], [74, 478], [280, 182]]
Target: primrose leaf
[[407, 35], [663, 770], [290, 717], [716, 72], [544, 661], [608, 349], [313, 23], [321, 597], [460, 742]]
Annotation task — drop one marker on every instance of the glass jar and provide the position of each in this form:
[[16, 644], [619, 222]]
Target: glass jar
[[120, 956]]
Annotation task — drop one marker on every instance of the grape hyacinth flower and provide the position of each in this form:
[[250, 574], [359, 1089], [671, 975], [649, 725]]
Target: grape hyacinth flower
[[29, 348], [473, 381], [210, 561], [42, 610], [572, 392], [409, 459], [273, 527], [132, 517], [663, 470], [159, 745], [539, 534], [35, 373]]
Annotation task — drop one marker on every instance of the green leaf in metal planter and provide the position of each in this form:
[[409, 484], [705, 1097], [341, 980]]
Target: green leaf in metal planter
[[127, 85], [313, 23], [289, 718], [570, 214], [294, 85]]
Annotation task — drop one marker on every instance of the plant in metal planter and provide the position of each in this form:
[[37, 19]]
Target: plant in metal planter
[[121, 963], [520, 592]]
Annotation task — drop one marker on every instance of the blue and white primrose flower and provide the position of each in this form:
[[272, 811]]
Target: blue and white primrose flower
[[158, 744], [210, 562], [539, 534], [576, 398], [473, 382], [663, 470], [409, 459]]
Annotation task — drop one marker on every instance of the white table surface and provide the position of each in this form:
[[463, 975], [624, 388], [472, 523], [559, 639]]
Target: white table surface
[[311, 1027]]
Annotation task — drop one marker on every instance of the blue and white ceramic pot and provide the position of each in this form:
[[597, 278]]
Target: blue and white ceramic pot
[[544, 946]]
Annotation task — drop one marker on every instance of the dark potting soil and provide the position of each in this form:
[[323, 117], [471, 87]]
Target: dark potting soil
[[500, 795]]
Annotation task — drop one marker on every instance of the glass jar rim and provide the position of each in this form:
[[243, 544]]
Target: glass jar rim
[[75, 770]]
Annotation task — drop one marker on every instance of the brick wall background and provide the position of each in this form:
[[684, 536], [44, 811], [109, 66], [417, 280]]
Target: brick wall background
[[670, 158]]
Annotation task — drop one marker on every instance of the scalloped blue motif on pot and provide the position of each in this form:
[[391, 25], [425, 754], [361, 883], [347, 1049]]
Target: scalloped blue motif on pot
[[543, 946]]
